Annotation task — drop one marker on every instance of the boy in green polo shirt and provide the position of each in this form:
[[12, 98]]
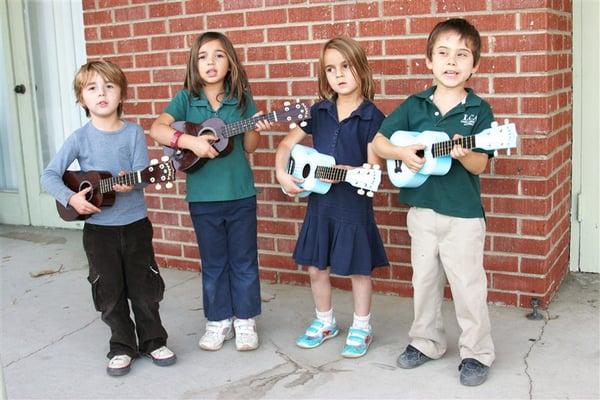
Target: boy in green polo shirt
[[446, 218]]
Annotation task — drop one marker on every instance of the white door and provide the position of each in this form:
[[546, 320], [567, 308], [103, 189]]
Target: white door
[[42, 46], [585, 239]]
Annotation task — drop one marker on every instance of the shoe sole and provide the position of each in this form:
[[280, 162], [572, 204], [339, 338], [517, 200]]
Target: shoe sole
[[357, 355], [163, 362], [246, 348], [320, 343], [219, 347], [118, 371]]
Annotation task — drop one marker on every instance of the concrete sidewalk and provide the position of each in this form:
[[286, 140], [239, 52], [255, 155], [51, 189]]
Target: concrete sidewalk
[[53, 343]]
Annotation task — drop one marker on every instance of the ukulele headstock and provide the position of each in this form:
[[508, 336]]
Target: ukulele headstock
[[366, 178], [498, 137], [159, 172], [292, 113]]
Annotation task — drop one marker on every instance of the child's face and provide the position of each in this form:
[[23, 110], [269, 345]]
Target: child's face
[[340, 74], [451, 60], [213, 63], [100, 97]]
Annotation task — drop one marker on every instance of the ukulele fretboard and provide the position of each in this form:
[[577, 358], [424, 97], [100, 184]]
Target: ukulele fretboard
[[129, 179], [444, 148], [246, 125], [331, 173]]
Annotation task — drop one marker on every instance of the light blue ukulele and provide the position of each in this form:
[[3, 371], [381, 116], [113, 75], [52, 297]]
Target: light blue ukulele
[[438, 148], [308, 164]]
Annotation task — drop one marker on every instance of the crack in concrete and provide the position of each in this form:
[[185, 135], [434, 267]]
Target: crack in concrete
[[51, 343], [529, 377], [258, 385]]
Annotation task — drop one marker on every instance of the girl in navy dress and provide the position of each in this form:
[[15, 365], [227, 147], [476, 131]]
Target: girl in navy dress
[[339, 234]]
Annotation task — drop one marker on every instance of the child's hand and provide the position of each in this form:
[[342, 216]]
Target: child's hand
[[202, 146], [263, 125], [81, 205], [458, 151], [408, 154], [122, 188], [288, 183]]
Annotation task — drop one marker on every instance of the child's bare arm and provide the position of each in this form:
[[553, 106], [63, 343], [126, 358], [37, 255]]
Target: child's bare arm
[[282, 156], [162, 132], [385, 149]]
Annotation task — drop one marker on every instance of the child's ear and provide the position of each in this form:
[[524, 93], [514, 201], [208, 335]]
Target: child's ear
[[428, 63], [475, 67]]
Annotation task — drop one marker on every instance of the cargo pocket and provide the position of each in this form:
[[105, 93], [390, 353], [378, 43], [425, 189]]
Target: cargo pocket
[[156, 283], [94, 280]]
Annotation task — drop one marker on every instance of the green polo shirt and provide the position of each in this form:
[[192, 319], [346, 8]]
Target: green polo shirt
[[458, 192], [223, 178]]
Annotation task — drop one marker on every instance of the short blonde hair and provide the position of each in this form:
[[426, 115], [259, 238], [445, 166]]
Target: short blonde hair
[[109, 71], [356, 57]]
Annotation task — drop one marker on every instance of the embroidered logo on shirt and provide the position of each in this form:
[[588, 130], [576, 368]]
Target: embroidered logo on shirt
[[469, 119]]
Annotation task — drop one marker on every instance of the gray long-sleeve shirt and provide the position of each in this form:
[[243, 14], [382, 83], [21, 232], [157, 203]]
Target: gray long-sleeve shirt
[[98, 150]]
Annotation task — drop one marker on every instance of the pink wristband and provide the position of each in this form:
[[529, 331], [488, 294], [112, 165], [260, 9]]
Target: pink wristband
[[175, 139]]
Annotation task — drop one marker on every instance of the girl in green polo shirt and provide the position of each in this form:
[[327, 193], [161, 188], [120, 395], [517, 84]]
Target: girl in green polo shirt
[[221, 193]]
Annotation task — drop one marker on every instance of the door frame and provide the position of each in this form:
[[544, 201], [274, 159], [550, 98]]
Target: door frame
[[584, 249]]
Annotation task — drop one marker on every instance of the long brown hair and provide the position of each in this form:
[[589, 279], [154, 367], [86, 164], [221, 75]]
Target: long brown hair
[[236, 77], [356, 57]]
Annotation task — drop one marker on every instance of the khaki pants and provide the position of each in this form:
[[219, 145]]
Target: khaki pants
[[444, 246]]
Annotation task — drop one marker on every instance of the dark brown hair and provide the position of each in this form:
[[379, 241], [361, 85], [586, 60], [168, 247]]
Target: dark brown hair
[[356, 57], [465, 30], [236, 77], [107, 70]]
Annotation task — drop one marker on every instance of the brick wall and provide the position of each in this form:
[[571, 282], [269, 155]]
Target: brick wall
[[525, 74]]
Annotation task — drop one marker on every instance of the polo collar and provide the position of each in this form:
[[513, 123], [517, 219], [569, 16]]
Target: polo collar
[[470, 100], [202, 100], [363, 111]]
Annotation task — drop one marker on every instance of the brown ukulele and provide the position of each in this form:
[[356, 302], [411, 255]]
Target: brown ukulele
[[186, 161], [102, 193]]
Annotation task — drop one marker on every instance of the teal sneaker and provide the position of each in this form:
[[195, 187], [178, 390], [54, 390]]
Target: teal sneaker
[[316, 334], [357, 342]]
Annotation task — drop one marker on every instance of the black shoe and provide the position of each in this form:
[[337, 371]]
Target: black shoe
[[411, 358], [472, 372]]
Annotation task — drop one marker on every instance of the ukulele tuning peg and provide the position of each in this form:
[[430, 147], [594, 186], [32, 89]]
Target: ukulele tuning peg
[[293, 125], [303, 124], [286, 103], [298, 101], [369, 194], [366, 166], [506, 121], [495, 124], [508, 151], [158, 186], [164, 158], [154, 161], [360, 191], [376, 167], [495, 153], [168, 185]]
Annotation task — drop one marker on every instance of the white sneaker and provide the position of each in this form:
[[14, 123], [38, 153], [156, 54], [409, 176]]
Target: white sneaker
[[119, 365], [163, 356], [246, 337], [216, 333]]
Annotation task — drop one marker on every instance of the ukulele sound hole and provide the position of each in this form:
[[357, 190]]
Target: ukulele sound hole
[[85, 185], [306, 171]]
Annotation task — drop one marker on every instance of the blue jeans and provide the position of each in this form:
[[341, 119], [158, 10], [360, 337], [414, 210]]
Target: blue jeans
[[226, 234]]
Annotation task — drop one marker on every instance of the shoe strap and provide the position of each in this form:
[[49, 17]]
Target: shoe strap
[[357, 337]]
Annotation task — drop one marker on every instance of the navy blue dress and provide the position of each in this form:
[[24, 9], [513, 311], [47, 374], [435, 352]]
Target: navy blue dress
[[339, 228]]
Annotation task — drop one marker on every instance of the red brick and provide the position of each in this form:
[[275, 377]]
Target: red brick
[[204, 6], [267, 53], [515, 244], [170, 249], [267, 17], [192, 24], [130, 13], [278, 228], [151, 60], [224, 20], [405, 46], [115, 31], [412, 7], [149, 28], [246, 36], [355, 11], [294, 278], [267, 276], [390, 287], [452, 6], [99, 49], [519, 282], [328, 31], [97, 18], [305, 14], [132, 46], [520, 43], [165, 10], [289, 70], [502, 298], [518, 4], [167, 42], [242, 4], [274, 261], [287, 34]]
